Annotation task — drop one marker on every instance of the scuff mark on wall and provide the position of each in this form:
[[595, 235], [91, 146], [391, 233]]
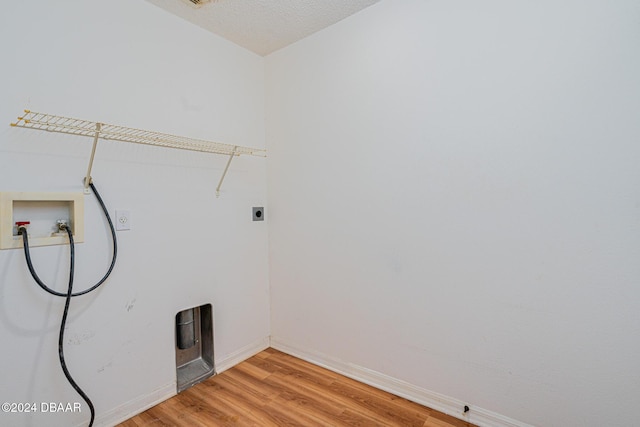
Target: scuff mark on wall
[[79, 338], [103, 367]]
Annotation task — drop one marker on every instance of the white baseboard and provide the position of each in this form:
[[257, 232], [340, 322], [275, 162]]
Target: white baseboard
[[134, 407], [242, 354], [431, 399], [141, 404]]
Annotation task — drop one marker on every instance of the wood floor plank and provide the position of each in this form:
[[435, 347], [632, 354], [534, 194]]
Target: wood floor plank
[[243, 403], [274, 389], [253, 370], [257, 386], [240, 391], [338, 400], [383, 408], [303, 395], [322, 375]]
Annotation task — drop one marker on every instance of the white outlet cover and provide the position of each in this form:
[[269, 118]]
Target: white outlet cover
[[123, 220]]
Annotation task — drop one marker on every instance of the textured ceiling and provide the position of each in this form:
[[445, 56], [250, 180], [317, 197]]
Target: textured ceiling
[[264, 26]]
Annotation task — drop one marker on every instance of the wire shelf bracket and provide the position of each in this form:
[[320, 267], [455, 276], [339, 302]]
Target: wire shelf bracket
[[97, 130], [224, 173]]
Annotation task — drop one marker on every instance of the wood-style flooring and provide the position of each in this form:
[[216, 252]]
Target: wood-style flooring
[[275, 389]]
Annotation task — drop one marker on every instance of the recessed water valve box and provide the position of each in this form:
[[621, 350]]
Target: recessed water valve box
[[41, 211]]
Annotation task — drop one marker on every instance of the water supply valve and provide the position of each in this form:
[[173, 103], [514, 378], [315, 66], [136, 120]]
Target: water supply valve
[[22, 225], [62, 225]]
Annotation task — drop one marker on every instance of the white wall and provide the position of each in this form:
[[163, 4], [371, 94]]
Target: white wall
[[454, 203], [129, 63]]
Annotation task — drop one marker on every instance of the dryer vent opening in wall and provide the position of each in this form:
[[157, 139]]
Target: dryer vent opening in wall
[[194, 346]]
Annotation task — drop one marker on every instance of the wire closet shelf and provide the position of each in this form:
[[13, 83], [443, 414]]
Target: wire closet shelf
[[60, 124], [97, 130]]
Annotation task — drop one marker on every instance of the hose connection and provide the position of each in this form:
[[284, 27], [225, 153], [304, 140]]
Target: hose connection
[[62, 224], [22, 226]]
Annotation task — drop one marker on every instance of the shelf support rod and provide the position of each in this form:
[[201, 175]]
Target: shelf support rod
[[226, 168], [87, 179]]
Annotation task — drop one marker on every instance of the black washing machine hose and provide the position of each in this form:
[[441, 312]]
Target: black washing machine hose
[[69, 294]]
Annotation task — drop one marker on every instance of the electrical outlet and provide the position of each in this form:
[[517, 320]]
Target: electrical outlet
[[258, 213], [123, 220]]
